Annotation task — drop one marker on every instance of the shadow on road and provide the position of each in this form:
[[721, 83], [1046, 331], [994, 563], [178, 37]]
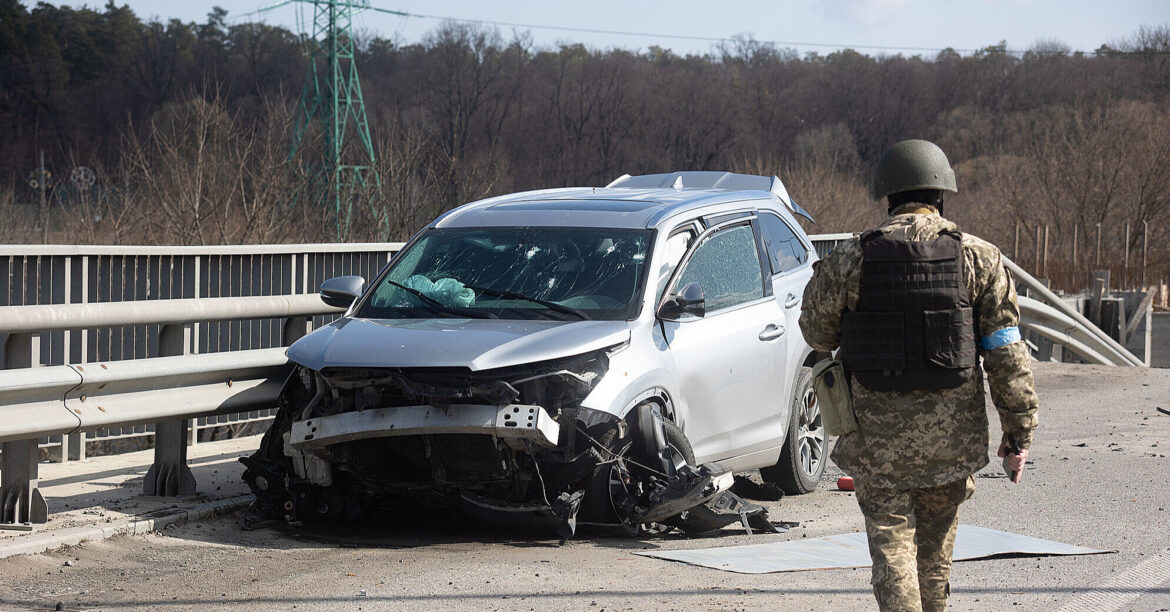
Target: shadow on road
[[402, 530]]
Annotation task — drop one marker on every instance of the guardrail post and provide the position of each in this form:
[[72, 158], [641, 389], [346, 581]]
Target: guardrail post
[[193, 433], [75, 446], [20, 498], [170, 476]]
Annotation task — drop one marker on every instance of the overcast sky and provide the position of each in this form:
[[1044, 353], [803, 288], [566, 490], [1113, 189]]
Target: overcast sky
[[871, 26]]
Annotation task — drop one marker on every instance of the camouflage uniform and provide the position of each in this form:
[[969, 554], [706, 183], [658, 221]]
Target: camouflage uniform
[[911, 535], [913, 452]]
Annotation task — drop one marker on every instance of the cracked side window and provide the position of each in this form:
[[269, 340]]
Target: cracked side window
[[727, 265]]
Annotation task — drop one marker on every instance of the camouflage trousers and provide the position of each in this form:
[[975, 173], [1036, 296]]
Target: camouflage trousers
[[911, 535]]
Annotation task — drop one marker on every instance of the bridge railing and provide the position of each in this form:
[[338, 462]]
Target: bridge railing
[[1044, 314], [101, 343], [62, 274], [66, 274], [80, 364]]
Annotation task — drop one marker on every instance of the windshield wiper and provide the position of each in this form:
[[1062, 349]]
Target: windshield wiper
[[519, 296], [437, 306]]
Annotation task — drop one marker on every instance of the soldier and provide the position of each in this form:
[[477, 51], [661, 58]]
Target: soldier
[[913, 305]]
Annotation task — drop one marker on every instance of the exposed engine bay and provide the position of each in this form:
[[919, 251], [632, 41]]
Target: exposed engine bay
[[511, 446]]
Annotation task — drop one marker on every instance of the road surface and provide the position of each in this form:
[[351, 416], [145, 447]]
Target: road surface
[[1098, 478]]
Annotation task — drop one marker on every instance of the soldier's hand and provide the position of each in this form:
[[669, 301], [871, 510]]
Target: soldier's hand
[[1013, 462]]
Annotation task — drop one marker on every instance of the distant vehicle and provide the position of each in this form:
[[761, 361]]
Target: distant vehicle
[[562, 355]]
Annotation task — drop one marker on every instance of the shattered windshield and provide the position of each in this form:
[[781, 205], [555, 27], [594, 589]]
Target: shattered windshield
[[565, 274]]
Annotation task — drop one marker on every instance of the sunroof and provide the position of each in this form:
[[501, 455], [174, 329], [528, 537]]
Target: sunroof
[[589, 204]]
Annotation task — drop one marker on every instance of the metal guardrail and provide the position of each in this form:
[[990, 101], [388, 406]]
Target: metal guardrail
[[65, 274], [131, 361], [1058, 328], [174, 386], [69, 274], [65, 399], [166, 391], [1052, 318], [1047, 315], [59, 317]]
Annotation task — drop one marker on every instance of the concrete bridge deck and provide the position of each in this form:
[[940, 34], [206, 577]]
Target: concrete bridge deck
[[101, 496], [1099, 479]]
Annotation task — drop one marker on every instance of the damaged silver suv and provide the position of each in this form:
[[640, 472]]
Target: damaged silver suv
[[599, 356]]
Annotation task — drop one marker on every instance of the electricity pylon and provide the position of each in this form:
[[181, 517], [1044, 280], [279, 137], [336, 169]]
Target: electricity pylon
[[332, 99]]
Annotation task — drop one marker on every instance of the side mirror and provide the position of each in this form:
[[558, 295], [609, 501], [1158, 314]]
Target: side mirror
[[689, 301], [342, 290]]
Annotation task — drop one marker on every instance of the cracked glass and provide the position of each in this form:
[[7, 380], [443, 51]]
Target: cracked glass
[[727, 266], [515, 273]]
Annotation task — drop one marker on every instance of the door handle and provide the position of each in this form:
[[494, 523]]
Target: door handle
[[771, 332], [791, 301]]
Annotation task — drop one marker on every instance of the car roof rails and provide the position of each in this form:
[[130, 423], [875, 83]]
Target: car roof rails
[[727, 181]]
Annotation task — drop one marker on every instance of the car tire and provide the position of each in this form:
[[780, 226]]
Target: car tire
[[679, 442], [802, 460], [599, 507]]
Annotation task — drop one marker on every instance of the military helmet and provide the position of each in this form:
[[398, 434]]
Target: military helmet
[[910, 165]]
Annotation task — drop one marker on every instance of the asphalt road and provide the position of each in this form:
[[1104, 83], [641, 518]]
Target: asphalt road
[[1098, 479]]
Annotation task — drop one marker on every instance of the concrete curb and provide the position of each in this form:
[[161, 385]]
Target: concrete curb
[[37, 543]]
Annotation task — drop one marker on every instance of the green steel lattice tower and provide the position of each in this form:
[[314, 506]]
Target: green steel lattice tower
[[332, 97]]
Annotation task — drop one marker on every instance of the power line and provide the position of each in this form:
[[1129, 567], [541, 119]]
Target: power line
[[713, 39], [710, 39]]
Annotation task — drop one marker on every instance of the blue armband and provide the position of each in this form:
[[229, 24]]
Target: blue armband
[[1001, 338]]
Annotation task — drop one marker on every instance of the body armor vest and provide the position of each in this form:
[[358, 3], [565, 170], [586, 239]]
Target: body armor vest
[[914, 327]]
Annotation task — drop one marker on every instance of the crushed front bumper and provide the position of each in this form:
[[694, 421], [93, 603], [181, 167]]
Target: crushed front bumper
[[355, 444], [517, 425]]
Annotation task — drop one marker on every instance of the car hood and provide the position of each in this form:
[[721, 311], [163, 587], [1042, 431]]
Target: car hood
[[478, 344]]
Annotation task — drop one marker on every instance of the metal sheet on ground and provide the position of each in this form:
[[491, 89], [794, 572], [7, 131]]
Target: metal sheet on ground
[[850, 550]]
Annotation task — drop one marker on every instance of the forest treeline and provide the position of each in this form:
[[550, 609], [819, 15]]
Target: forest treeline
[[187, 128]]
